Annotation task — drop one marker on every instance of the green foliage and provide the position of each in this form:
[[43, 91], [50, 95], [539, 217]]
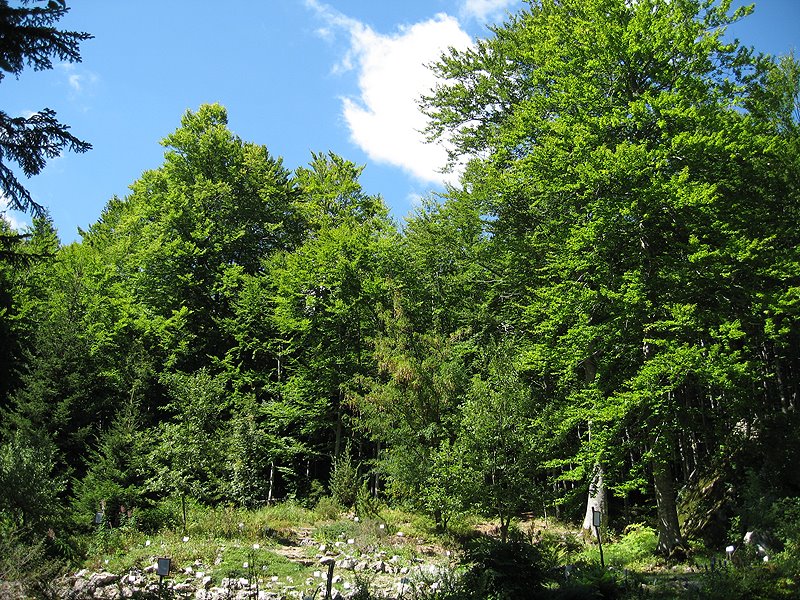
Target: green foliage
[[445, 493], [592, 581], [345, 481], [496, 437], [759, 582], [249, 455], [29, 485], [327, 508], [366, 504], [26, 565], [30, 38], [635, 549], [501, 570], [189, 459], [415, 406], [632, 205], [116, 474]]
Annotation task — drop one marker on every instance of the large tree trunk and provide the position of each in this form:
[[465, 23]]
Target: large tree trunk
[[598, 498], [670, 541]]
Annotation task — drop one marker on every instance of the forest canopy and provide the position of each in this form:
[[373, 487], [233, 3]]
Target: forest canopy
[[601, 315]]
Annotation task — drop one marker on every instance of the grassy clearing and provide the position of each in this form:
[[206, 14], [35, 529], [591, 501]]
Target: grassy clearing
[[282, 544]]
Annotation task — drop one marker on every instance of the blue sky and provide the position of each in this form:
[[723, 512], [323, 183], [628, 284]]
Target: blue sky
[[295, 75]]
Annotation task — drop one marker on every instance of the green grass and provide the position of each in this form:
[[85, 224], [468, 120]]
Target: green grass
[[634, 550], [221, 540]]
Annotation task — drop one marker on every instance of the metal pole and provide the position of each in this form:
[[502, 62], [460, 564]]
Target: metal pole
[[330, 582]]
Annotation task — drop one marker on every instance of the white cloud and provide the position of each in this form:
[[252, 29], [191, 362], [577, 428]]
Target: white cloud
[[415, 200], [485, 10], [12, 217], [384, 118], [80, 80]]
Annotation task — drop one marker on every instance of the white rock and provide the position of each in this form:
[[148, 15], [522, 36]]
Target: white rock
[[103, 579], [379, 567]]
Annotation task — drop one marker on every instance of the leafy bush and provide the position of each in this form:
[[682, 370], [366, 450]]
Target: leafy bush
[[345, 481], [156, 518], [28, 487], [366, 504], [592, 581], [757, 582], [511, 570], [24, 560], [327, 508]]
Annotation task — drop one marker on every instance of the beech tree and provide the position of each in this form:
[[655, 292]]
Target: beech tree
[[609, 147]]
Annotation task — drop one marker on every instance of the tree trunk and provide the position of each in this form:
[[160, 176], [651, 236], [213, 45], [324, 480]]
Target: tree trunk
[[670, 541], [271, 482], [337, 445], [597, 500]]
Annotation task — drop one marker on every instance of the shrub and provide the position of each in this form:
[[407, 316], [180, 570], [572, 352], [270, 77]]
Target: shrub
[[327, 508], [345, 482], [24, 562], [503, 570]]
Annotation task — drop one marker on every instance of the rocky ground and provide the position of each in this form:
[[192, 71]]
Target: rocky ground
[[395, 568]]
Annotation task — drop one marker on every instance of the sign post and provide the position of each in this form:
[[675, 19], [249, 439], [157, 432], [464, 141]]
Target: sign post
[[596, 522], [163, 571]]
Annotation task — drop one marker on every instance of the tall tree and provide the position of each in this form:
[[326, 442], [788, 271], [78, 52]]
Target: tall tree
[[180, 244], [609, 146]]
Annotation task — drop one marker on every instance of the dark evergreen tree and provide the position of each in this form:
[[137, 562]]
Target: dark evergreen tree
[[28, 37]]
